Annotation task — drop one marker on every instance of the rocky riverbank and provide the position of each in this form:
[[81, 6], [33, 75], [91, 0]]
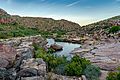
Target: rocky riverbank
[[104, 54], [17, 61]]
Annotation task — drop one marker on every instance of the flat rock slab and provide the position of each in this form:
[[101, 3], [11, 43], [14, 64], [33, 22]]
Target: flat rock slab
[[107, 56]]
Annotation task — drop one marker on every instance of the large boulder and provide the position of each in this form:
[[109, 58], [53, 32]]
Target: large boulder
[[25, 52], [56, 47], [7, 56], [37, 64]]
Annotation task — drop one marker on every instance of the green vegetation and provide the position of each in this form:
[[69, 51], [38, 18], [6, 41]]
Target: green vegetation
[[114, 75], [114, 29], [15, 30], [60, 65], [76, 66], [92, 72], [52, 60]]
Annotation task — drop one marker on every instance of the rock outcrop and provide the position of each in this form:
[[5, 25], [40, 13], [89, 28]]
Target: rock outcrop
[[56, 47], [7, 56], [106, 56], [17, 59]]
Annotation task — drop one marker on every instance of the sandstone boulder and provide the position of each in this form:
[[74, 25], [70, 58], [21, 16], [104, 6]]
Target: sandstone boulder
[[7, 55], [56, 47]]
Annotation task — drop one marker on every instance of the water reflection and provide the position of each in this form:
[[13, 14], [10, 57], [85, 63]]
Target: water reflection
[[67, 47]]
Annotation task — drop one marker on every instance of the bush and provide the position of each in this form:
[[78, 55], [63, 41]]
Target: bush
[[92, 72], [76, 66], [15, 30], [60, 65], [114, 75], [60, 69], [81, 61], [114, 29], [73, 69], [52, 60]]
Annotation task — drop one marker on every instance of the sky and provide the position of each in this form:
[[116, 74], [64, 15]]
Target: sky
[[82, 12]]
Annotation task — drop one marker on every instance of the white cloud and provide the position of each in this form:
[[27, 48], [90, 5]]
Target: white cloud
[[72, 4]]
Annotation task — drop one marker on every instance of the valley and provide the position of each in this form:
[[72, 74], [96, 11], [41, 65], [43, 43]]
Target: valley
[[36, 48]]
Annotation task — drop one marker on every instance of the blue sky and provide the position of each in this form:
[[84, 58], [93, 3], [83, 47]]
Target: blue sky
[[79, 11]]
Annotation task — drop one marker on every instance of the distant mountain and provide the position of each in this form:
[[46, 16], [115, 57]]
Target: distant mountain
[[101, 25], [43, 24], [49, 25], [14, 25]]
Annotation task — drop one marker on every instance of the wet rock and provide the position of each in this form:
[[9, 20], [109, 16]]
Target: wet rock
[[56, 47], [7, 55]]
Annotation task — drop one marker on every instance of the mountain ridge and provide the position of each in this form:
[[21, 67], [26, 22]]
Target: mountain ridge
[[52, 25]]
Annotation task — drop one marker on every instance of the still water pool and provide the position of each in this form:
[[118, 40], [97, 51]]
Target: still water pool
[[67, 47]]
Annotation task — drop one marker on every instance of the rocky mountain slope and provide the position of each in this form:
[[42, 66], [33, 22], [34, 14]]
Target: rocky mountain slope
[[101, 25], [3, 12], [57, 26], [43, 24]]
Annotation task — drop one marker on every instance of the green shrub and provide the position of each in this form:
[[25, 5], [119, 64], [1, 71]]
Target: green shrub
[[81, 61], [73, 69], [15, 30], [60, 65], [114, 29], [76, 66], [92, 72], [52, 60], [114, 75], [50, 50], [60, 69]]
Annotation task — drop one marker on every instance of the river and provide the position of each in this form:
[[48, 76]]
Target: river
[[67, 47]]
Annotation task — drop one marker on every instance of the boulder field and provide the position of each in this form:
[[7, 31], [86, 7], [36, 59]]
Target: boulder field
[[104, 54], [17, 60]]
